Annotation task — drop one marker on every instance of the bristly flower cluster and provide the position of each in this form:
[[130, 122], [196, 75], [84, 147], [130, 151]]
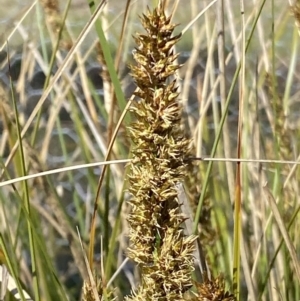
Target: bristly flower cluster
[[296, 12], [88, 292], [55, 22], [157, 240], [213, 290]]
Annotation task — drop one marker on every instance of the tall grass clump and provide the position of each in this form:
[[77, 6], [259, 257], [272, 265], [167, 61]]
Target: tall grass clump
[[157, 241], [174, 179]]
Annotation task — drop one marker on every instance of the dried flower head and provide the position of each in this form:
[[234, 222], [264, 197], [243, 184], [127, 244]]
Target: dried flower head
[[213, 290], [88, 292], [159, 148], [296, 12], [55, 22]]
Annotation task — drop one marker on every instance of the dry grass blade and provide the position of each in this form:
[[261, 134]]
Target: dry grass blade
[[198, 16], [238, 187], [120, 161], [55, 78], [91, 281], [282, 228], [60, 170], [101, 178], [18, 24]]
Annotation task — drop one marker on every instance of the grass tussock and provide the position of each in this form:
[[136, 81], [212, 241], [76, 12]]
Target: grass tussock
[[151, 152]]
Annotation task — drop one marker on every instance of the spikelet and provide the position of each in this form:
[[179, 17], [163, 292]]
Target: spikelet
[[52, 13], [158, 244], [296, 12], [54, 20], [213, 290]]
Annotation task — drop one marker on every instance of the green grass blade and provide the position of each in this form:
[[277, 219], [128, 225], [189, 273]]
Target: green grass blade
[[27, 204], [110, 64]]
